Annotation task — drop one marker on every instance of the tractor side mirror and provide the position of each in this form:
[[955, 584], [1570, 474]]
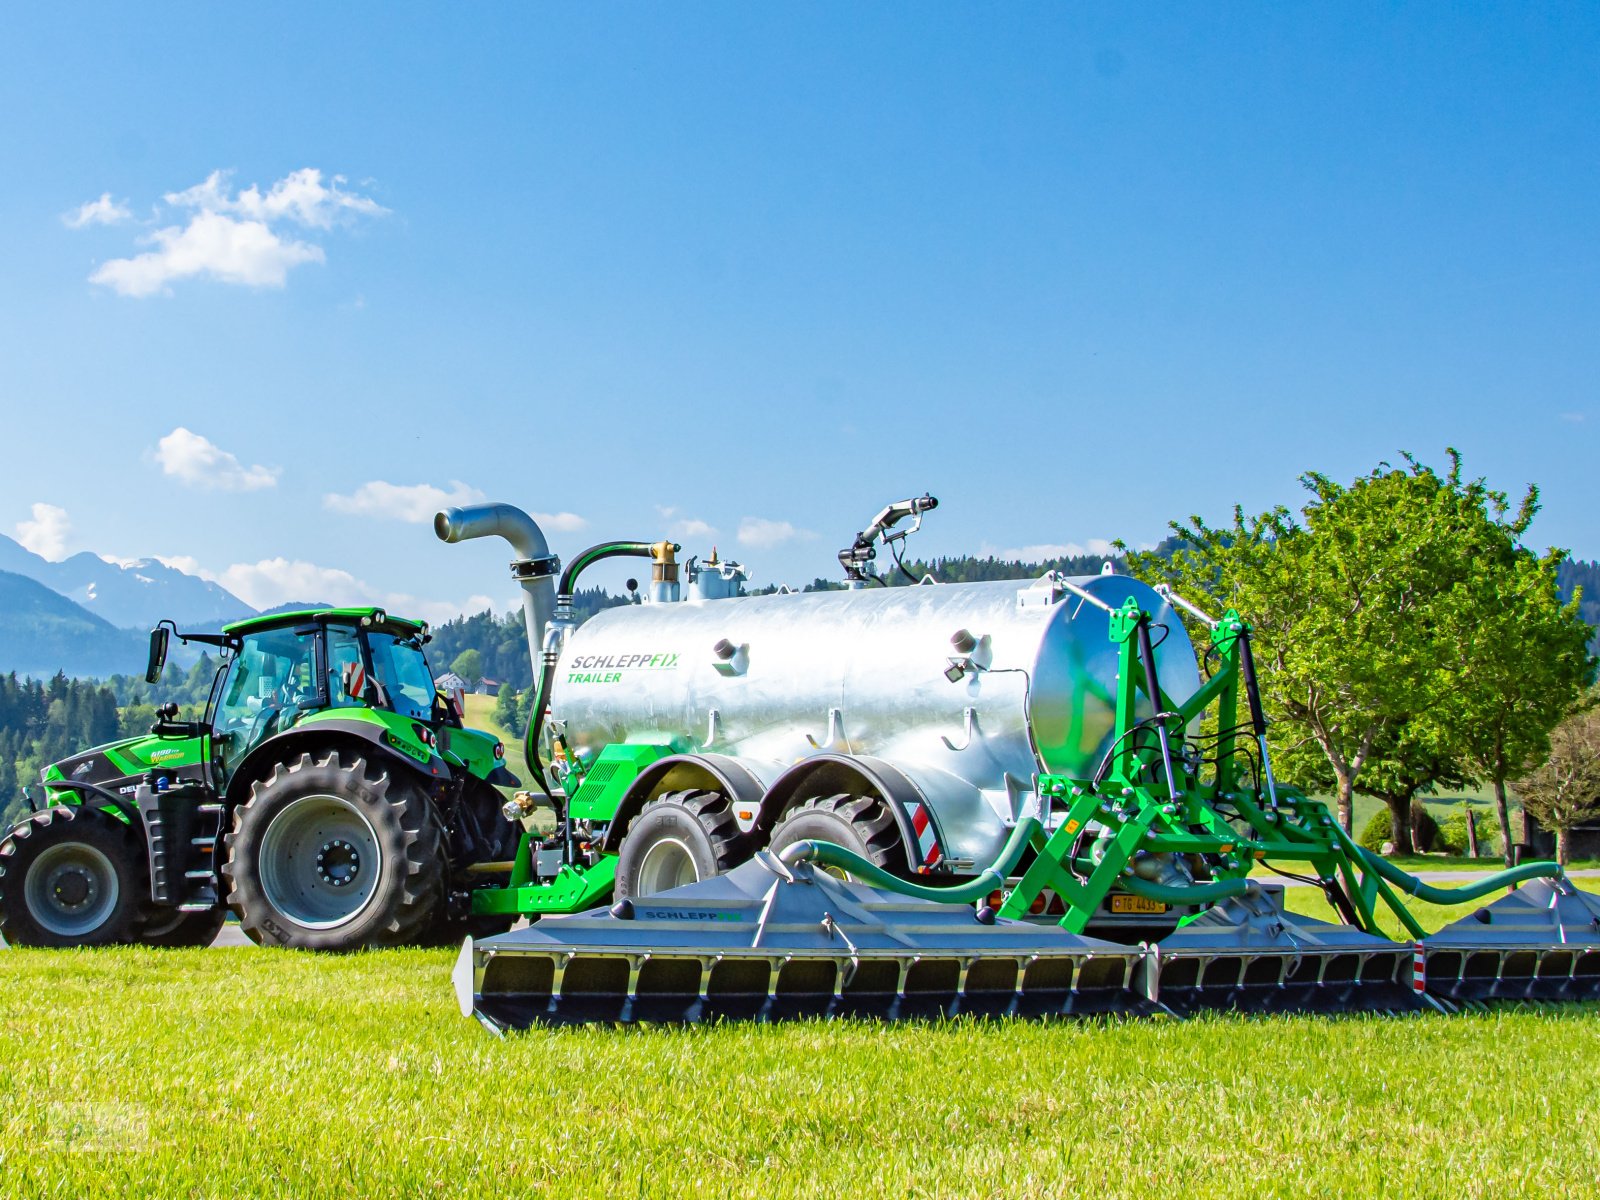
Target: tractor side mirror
[[158, 654]]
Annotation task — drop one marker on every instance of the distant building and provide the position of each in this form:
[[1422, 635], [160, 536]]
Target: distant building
[[450, 683], [487, 687]]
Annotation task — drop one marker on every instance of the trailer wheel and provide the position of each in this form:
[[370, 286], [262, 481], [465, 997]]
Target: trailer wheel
[[325, 856], [679, 838], [861, 824], [182, 930], [70, 876]]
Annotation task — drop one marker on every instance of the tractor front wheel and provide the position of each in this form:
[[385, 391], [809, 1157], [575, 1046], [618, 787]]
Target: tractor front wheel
[[677, 839], [70, 876], [329, 854]]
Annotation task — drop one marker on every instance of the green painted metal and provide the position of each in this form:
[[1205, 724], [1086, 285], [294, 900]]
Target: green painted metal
[[572, 889], [602, 784], [377, 617], [1128, 822]]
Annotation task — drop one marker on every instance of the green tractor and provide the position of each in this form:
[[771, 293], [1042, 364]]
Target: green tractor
[[331, 798]]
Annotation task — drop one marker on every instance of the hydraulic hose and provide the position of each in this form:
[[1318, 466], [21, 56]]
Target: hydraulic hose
[[547, 675], [1413, 886], [827, 854]]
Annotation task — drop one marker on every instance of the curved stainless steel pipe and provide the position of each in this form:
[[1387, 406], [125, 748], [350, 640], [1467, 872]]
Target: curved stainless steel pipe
[[534, 568]]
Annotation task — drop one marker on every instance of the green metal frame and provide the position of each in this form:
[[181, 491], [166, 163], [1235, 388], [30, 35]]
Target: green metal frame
[[1225, 824]]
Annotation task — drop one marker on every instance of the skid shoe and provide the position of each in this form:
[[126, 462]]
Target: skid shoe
[[1247, 954], [770, 941], [1541, 942]]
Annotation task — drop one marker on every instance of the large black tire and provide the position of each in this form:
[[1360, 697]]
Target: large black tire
[[497, 837], [71, 876], [330, 856], [180, 930], [679, 838], [861, 824]]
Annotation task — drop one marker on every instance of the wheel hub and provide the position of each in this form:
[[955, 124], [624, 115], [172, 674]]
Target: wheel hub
[[73, 888], [320, 861], [338, 862]]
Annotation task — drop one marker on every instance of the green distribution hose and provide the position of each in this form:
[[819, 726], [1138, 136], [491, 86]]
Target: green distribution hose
[[994, 876], [1413, 886], [827, 854]]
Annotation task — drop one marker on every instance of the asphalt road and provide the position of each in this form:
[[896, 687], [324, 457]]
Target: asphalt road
[[232, 935]]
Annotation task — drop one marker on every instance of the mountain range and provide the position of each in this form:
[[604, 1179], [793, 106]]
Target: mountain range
[[128, 596], [90, 617]]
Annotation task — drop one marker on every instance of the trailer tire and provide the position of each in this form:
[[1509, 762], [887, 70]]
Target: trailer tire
[[314, 827], [175, 930], [71, 876], [861, 824], [678, 838]]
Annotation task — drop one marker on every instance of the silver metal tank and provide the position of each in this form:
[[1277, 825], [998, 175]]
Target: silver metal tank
[[775, 679]]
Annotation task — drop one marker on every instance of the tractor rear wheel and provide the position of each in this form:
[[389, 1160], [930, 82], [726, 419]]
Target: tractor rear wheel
[[861, 824], [329, 854], [71, 876], [181, 930], [677, 839]]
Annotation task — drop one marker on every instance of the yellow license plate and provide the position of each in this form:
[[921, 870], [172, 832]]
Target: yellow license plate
[[1136, 904]]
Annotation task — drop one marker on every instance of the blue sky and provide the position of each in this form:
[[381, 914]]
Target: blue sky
[[757, 269]]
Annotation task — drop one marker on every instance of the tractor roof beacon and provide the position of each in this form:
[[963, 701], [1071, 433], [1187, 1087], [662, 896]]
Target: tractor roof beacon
[[328, 797], [992, 797]]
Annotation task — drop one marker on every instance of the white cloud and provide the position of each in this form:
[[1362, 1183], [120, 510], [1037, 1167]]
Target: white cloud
[[764, 534], [561, 522], [200, 462], [415, 502], [274, 581], [693, 527], [1040, 551], [186, 563], [46, 534], [299, 196], [232, 238], [1573, 418], [242, 252], [104, 211]]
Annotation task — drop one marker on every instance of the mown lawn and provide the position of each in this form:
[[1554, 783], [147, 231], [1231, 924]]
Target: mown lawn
[[243, 1072]]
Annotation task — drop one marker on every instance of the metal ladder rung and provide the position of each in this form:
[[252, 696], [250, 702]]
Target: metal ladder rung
[[198, 873]]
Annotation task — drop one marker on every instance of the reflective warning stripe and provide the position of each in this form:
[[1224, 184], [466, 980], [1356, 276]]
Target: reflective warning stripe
[[1419, 969], [927, 840]]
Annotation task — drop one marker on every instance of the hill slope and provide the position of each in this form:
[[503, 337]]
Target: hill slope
[[42, 632]]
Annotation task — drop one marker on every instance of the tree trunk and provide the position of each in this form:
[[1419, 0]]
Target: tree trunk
[[1502, 809], [1563, 845], [1346, 806], [1400, 824]]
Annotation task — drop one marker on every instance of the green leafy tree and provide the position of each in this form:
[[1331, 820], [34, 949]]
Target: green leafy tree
[[469, 665], [1354, 605], [1564, 791], [1520, 662]]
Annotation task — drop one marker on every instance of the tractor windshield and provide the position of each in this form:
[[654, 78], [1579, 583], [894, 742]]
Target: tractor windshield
[[271, 680], [403, 673]]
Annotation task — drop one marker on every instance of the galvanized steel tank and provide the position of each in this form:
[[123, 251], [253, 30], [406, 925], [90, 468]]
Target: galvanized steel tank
[[774, 679]]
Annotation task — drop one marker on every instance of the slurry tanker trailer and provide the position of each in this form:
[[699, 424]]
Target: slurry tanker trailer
[[997, 797]]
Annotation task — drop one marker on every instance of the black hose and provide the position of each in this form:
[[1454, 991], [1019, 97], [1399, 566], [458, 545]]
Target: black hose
[[547, 675]]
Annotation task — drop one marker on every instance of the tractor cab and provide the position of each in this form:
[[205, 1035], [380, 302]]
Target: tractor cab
[[283, 669]]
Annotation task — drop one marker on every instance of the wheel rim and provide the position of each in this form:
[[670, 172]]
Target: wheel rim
[[666, 865], [72, 889], [320, 862]]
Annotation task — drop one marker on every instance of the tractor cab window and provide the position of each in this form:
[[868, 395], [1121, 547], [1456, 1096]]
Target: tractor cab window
[[402, 674], [270, 682], [348, 684]]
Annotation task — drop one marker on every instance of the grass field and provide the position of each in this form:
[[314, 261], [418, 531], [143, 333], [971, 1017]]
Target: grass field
[[244, 1072]]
